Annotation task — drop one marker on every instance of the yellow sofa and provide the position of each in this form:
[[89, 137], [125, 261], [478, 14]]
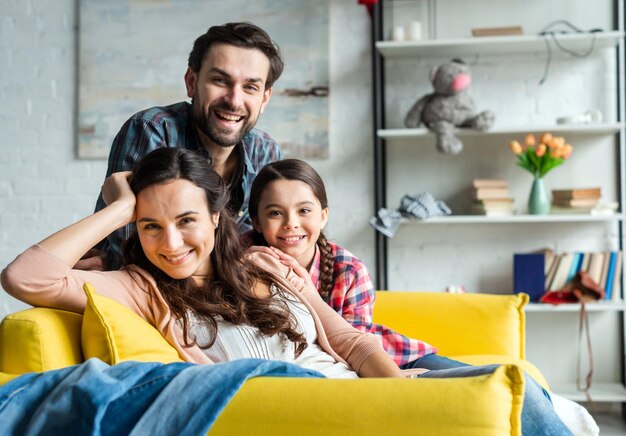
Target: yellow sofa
[[475, 328]]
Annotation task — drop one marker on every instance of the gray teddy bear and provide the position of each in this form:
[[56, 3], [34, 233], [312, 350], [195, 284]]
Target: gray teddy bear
[[448, 107]]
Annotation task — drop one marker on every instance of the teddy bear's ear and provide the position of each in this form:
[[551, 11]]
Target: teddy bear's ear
[[433, 74]]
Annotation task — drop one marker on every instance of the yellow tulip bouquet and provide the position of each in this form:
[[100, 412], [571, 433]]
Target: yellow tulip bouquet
[[539, 158]]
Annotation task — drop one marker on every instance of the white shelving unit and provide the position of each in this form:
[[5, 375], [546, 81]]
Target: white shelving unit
[[562, 129], [600, 392], [513, 219], [494, 44], [601, 306], [398, 140]]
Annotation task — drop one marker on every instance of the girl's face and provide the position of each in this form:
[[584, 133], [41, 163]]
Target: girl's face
[[176, 229], [291, 217]]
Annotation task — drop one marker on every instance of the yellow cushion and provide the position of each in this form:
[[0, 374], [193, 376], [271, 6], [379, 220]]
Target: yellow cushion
[[457, 324], [487, 359], [473, 406], [5, 378], [39, 339], [113, 333]]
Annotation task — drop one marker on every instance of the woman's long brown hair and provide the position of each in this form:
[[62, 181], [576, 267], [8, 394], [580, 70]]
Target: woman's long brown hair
[[230, 293], [295, 169]]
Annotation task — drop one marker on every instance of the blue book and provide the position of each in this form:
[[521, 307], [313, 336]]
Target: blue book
[[529, 274], [576, 264], [608, 288]]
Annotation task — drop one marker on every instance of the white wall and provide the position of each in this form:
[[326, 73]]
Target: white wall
[[43, 187]]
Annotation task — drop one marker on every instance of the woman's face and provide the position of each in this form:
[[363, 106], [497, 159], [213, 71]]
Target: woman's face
[[291, 217], [176, 229]]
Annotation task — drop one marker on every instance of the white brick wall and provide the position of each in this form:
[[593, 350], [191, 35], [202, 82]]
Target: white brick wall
[[42, 185]]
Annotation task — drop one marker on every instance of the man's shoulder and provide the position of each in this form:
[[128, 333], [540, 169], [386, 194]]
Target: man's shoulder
[[260, 148], [156, 114], [257, 135]]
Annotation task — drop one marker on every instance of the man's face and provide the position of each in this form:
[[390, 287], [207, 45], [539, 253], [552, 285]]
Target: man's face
[[228, 93]]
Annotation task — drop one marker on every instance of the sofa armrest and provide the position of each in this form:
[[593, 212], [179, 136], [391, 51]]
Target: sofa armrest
[[473, 406], [457, 324], [39, 339]]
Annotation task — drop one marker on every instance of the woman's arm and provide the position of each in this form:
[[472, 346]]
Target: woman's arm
[[43, 275], [362, 351], [72, 242]]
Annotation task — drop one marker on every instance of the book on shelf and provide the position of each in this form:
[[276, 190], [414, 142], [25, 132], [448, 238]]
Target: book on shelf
[[563, 210], [554, 263], [529, 274], [605, 270], [608, 286], [617, 278], [576, 202], [596, 262], [562, 271], [501, 204], [577, 258], [497, 31], [489, 183], [495, 202], [584, 266], [539, 272], [501, 209], [576, 193], [487, 193]]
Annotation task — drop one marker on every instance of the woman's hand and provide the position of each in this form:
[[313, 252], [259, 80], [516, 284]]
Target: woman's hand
[[116, 188], [72, 242]]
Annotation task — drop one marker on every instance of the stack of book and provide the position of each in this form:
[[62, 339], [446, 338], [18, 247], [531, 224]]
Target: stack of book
[[490, 197], [537, 273], [577, 200]]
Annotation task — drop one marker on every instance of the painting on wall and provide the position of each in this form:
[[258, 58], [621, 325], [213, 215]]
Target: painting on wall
[[133, 55]]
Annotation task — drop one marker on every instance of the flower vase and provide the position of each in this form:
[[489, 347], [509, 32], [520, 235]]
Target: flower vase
[[538, 201]]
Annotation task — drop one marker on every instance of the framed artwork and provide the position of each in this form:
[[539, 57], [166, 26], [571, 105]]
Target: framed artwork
[[133, 55]]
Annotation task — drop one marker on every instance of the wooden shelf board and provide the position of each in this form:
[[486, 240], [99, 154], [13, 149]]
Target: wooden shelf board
[[479, 219], [600, 306], [600, 392], [495, 44], [582, 129]]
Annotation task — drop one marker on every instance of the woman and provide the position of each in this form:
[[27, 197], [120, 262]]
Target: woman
[[186, 275]]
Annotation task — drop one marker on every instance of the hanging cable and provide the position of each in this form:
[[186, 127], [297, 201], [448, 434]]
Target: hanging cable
[[551, 35]]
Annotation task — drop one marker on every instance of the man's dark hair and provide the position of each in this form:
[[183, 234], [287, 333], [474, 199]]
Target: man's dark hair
[[243, 35]]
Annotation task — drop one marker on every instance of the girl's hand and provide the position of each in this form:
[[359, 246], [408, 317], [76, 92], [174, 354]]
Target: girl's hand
[[116, 188], [262, 249], [292, 263]]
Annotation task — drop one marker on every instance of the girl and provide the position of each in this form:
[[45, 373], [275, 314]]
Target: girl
[[289, 209], [185, 275]]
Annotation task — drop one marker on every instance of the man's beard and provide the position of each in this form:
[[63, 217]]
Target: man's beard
[[215, 133]]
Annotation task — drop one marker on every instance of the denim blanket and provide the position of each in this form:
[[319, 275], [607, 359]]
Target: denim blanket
[[130, 398]]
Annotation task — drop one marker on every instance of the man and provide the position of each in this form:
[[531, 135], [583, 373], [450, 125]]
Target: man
[[231, 70]]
